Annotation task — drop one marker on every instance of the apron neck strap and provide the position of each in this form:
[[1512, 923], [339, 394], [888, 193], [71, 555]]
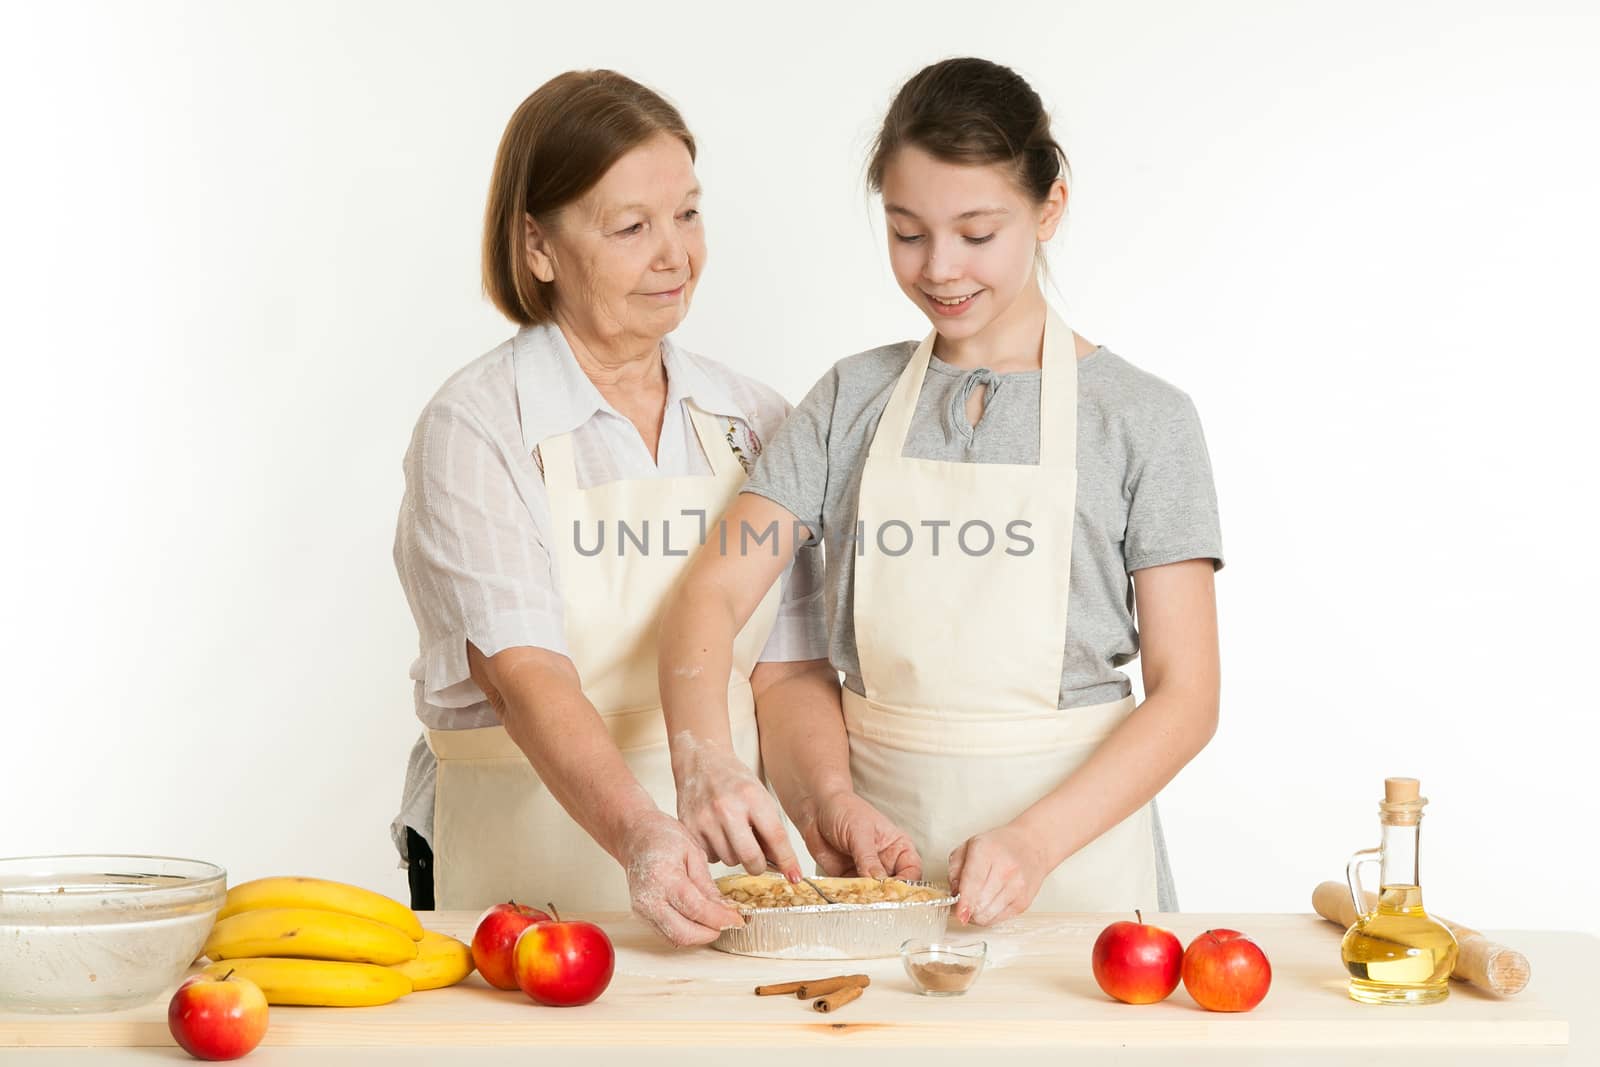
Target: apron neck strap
[[1058, 395], [1058, 398], [714, 442], [560, 466]]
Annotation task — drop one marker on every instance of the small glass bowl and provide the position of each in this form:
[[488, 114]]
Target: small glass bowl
[[101, 933], [943, 969]]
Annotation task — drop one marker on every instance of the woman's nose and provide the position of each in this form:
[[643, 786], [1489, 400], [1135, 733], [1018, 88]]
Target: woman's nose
[[672, 253]]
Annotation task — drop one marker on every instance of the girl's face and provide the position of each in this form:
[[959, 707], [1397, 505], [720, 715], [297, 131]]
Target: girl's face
[[962, 238]]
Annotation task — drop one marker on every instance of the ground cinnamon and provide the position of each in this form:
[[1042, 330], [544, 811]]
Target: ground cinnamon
[[940, 977]]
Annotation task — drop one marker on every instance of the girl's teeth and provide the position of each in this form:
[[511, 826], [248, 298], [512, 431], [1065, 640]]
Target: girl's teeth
[[953, 303]]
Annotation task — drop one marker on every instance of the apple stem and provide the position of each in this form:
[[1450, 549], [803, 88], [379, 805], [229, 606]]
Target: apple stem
[[554, 914], [229, 974], [1137, 914]]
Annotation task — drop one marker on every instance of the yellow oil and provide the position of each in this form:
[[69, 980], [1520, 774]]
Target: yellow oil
[[1398, 955]]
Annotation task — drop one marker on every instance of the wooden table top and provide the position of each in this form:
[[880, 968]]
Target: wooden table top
[[1037, 992]]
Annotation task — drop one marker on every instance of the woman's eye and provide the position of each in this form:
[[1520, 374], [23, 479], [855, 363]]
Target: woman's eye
[[637, 227], [907, 238], [690, 215], [980, 240]]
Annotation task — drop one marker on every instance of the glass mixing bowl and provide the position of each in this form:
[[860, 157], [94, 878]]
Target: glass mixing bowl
[[101, 933]]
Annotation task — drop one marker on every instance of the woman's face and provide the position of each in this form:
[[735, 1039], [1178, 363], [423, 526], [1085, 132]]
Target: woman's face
[[626, 256], [962, 238]]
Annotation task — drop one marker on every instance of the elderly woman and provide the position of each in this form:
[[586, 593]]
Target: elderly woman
[[555, 487]]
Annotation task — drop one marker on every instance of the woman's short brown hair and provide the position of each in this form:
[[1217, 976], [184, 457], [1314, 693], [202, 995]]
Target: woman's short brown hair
[[557, 146]]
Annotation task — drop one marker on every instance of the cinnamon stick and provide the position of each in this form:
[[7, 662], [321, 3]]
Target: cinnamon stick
[[777, 990], [837, 1000], [825, 986], [812, 986]]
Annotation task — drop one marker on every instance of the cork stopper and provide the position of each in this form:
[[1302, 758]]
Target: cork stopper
[[1402, 802], [1401, 790]]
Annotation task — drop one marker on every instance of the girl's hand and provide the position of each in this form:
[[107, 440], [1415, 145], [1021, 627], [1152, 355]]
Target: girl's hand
[[729, 812], [846, 835], [997, 873]]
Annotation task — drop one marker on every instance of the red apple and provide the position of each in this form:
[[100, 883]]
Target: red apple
[[496, 935], [1223, 970], [564, 963], [1137, 963], [217, 1018]]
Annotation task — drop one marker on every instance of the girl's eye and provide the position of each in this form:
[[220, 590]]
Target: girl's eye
[[907, 238], [980, 240]]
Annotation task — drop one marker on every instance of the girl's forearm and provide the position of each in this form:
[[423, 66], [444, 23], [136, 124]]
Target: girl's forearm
[[696, 662], [804, 748], [1124, 773]]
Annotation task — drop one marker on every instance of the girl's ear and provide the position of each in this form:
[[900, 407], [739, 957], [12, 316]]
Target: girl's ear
[[1053, 210], [537, 244]]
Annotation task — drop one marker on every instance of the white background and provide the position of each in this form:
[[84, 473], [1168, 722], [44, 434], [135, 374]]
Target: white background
[[240, 251]]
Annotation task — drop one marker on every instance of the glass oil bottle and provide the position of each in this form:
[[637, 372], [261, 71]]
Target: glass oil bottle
[[1395, 953]]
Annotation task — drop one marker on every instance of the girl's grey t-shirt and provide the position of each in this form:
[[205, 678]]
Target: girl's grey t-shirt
[[1145, 493]]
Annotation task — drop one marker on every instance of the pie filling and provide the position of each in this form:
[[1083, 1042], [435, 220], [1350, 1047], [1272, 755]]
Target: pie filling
[[772, 891]]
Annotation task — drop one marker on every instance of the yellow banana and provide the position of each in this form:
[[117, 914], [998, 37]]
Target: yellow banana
[[319, 982], [308, 933], [320, 893], [441, 961]]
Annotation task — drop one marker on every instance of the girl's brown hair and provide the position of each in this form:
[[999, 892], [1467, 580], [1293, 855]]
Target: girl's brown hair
[[557, 146], [972, 111]]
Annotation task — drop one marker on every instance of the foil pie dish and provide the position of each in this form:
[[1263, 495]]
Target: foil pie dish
[[838, 931]]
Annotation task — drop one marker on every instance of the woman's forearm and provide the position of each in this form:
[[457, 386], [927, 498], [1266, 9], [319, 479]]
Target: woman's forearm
[[566, 741], [1124, 773]]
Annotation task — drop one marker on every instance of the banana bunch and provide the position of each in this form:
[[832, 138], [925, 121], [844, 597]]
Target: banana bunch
[[312, 941]]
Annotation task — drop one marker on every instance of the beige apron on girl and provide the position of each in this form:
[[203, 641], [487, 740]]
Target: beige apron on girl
[[961, 648], [498, 834]]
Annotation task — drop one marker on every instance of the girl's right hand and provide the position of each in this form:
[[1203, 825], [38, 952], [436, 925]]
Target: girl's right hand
[[730, 813], [848, 836], [670, 884]]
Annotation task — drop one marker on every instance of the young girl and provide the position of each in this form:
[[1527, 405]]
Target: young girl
[[995, 502]]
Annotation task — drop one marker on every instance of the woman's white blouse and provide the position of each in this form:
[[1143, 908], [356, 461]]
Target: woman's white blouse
[[470, 543]]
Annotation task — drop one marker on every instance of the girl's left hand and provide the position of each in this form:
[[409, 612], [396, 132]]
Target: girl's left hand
[[997, 873]]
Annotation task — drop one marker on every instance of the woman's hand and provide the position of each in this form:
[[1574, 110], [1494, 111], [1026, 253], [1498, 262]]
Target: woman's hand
[[728, 811], [670, 884], [997, 873], [846, 835]]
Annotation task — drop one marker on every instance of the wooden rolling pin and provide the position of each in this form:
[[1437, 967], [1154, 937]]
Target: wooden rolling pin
[[1496, 968]]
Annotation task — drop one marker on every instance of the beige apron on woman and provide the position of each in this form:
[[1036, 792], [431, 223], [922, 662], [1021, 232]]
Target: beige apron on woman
[[498, 834], [961, 649]]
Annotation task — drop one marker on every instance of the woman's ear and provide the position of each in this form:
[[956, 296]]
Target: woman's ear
[[1053, 210], [537, 243]]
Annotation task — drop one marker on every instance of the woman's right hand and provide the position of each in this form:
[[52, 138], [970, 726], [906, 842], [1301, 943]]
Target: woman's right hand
[[670, 883], [729, 812]]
